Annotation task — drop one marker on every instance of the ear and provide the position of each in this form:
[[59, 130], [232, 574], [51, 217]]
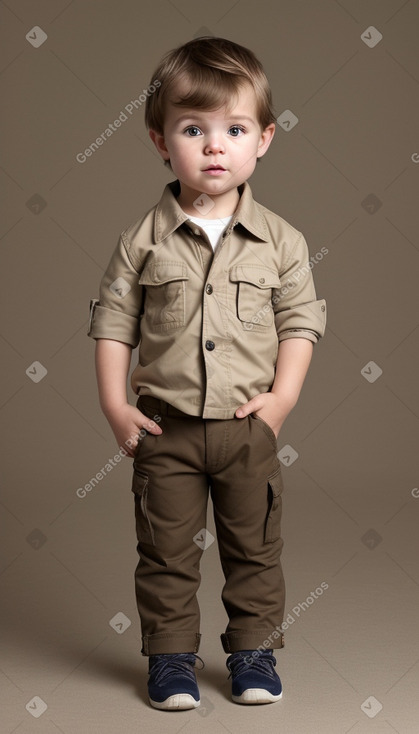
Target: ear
[[266, 139], [158, 140]]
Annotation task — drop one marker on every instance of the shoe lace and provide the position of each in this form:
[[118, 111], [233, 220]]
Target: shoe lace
[[166, 665], [263, 662]]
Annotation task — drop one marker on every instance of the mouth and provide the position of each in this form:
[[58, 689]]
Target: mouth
[[214, 168]]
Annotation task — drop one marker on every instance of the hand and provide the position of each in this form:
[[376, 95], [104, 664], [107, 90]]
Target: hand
[[126, 422], [268, 406]]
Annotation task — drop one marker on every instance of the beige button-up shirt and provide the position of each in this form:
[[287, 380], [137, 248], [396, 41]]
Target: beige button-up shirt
[[208, 324]]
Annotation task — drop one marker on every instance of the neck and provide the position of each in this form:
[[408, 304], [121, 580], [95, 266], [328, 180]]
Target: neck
[[224, 205]]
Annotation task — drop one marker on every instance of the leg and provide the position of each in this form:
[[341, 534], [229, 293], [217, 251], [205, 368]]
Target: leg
[[246, 492], [171, 494]]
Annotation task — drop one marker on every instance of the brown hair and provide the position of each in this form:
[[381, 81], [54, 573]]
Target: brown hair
[[214, 69]]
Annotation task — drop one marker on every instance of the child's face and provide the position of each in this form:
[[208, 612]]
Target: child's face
[[195, 140]]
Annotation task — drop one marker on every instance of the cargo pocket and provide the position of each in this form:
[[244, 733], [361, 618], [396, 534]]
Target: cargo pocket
[[254, 293], [273, 519], [140, 487], [165, 286]]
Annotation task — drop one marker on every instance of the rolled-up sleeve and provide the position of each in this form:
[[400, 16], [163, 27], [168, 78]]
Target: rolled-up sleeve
[[116, 314], [298, 313]]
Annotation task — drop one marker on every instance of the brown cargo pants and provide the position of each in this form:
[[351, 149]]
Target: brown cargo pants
[[173, 473]]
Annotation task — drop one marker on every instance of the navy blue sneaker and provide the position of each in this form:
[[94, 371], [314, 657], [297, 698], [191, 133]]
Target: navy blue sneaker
[[172, 681], [254, 679]]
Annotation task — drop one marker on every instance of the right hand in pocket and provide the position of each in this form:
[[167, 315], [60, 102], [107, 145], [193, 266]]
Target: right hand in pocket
[[126, 423]]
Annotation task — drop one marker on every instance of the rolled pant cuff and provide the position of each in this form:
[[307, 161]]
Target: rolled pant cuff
[[170, 642], [252, 640]]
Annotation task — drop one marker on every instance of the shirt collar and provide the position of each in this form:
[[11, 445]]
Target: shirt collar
[[169, 216]]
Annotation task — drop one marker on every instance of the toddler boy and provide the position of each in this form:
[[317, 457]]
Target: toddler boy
[[217, 292]]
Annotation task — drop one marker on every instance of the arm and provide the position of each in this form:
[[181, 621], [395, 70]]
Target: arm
[[113, 360], [294, 356], [296, 310]]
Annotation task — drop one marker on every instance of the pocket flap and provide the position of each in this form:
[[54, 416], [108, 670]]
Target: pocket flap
[[258, 275], [144, 528], [163, 271], [275, 483], [139, 483], [273, 520]]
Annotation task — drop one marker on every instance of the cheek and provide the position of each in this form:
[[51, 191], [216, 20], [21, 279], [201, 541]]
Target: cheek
[[246, 155], [182, 160], [245, 149], [181, 151]]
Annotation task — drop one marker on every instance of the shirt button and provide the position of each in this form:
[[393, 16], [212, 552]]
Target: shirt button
[[209, 345], [323, 308], [209, 288], [261, 280]]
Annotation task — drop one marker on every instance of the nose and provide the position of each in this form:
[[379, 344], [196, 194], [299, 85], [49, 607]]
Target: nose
[[214, 145]]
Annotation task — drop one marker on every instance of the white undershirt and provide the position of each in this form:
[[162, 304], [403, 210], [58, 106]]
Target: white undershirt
[[213, 228]]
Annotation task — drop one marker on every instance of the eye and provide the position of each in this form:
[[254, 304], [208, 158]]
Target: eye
[[236, 130], [193, 131]]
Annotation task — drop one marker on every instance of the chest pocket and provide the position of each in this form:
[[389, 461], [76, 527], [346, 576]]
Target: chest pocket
[[254, 293], [165, 284]]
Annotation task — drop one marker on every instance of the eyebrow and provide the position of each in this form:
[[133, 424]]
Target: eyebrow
[[197, 115]]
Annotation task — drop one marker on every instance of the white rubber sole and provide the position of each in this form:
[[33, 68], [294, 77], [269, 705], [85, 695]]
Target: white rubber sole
[[177, 702], [256, 695]]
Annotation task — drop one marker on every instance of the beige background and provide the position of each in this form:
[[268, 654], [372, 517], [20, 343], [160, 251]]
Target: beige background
[[346, 175]]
